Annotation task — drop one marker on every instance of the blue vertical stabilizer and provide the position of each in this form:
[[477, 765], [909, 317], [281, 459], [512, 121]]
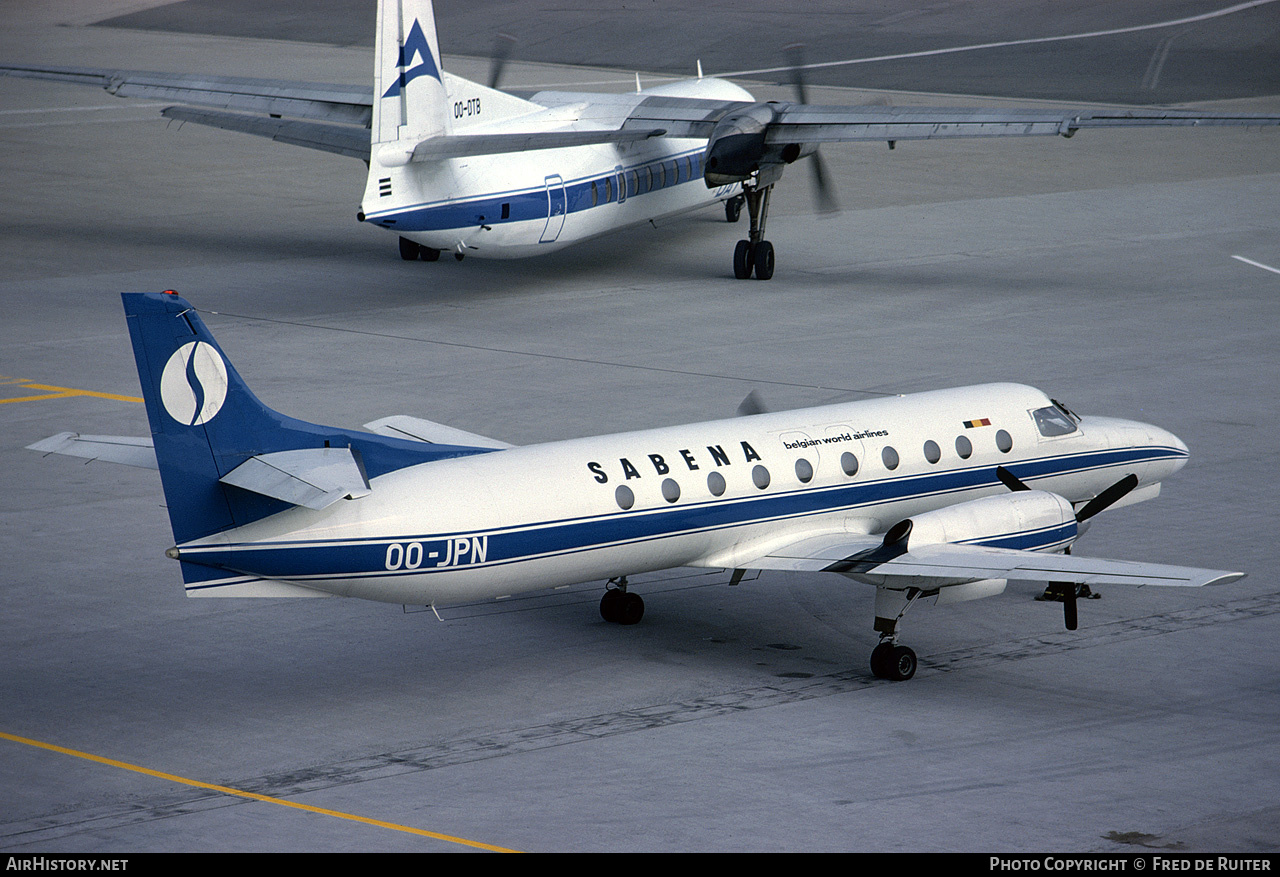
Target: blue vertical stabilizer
[[205, 422]]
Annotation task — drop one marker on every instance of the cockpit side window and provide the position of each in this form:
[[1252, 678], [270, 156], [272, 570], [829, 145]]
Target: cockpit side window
[[1053, 421]]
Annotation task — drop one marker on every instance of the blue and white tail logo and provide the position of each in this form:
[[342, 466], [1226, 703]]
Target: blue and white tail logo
[[415, 46], [193, 385]]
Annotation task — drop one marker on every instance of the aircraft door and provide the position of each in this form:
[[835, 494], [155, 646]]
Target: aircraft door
[[557, 206]]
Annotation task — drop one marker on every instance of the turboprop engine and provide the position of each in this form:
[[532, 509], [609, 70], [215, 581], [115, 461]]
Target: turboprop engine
[[737, 148], [1029, 520]]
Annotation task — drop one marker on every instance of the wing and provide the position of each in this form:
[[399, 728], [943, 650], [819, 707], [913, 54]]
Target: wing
[[942, 565], [797, 123], [783, 122], [336, 117]]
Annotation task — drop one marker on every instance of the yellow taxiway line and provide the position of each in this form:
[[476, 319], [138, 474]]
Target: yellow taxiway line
[[227, 790], [47, 391]]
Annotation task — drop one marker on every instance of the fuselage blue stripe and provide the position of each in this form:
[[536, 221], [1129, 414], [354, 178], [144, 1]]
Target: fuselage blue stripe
[[531, 204], [358, 558]]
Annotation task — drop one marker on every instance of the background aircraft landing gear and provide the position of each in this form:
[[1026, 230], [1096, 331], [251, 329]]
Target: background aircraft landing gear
[[428, 254], [733, 208], [619, 606], [755, 254]]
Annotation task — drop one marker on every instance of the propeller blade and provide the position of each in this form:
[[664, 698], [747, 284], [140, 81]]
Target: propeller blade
[[795, 61], [752, 404], [1009, 480], [823, 189], [502, 45], [1112, 494], [1069, 607]]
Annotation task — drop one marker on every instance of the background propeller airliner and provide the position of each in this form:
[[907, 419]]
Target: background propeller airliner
[[458, 166], [945, 495]]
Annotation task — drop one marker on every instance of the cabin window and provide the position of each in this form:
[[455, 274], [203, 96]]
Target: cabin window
[[804, 470], [670, 490], [595, 194], [964, 447], [634, 181], [890, 458], [849, 463], [1004, 442], [760, 476], [675, 172], [1051, 422], [608, 189], [932, 452], [506, 210], [715, 484], [624, 497], [662, 175]]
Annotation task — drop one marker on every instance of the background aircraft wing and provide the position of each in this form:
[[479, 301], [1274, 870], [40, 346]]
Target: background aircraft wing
[[800, 123], [338, 115], [340, 139], [941, 565], [346, 104]]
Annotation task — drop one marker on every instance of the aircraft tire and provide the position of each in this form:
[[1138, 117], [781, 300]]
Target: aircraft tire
[[630, 609], [880, 656], [609, 605], [428, 254], [762, 256], [742, 262], [733, 208], [409, 249], [902, 664]]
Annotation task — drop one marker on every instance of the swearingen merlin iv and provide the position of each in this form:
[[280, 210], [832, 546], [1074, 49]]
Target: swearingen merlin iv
[[458, 166], [946, 495]]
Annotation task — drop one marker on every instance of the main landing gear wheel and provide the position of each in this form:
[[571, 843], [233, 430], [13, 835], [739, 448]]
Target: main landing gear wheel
[[742, 261], [748, 258], [621, 607], [409, 250], [897, 663], [429, 254], [762, 258]]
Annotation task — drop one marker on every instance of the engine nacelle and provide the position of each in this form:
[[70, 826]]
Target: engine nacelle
[[1032, 520], [737, 147]]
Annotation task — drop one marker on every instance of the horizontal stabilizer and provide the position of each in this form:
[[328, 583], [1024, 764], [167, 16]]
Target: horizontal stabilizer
[[415, 428], [314, 477], [941, 565], [129, 450]]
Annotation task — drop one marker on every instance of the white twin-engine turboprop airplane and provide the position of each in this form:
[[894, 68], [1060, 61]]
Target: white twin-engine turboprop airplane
[[946, 495], [455, 166]]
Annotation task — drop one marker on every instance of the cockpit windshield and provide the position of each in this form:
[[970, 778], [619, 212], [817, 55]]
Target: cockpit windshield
[[1053, 421]]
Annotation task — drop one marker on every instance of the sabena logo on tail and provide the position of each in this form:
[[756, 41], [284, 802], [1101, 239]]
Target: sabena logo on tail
[[193, 385], [415, 46]]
